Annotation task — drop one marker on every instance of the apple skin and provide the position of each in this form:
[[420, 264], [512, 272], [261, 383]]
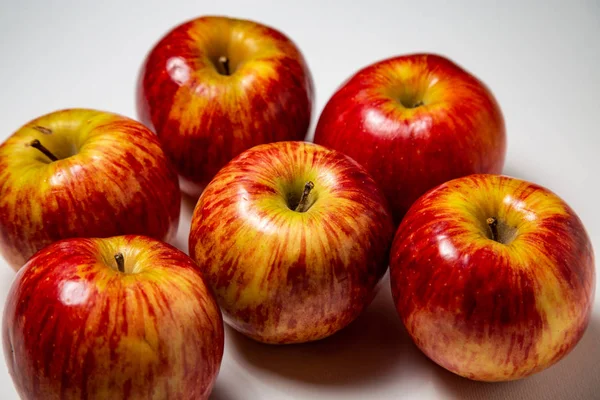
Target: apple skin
[[282, 276], [205, 118], [458, 130], [75, 327], [488, 310], [112, 178]]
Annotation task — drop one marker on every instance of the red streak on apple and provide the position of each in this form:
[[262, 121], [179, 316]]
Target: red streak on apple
[[111, 178], [204, 115], [415, 122], [76, 328], [283, 276], [493, 309]]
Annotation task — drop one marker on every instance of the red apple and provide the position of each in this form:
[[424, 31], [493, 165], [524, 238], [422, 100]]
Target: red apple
[[126, 317], [415, 122], [493, 277], [293, 238], [83, 173], [214, 87]]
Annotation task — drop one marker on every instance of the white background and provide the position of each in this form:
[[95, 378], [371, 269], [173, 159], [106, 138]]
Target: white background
[[540, 60]]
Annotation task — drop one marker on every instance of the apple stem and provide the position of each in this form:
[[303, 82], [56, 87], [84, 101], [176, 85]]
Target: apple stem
[[37, 145], [493, 224], [120, 262], [303, 205], [224, 61]]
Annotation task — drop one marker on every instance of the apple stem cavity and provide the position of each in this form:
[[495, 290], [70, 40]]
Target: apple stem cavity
[[303, 204], [36, 144], [224, 63], [493, 224], [120, 262]]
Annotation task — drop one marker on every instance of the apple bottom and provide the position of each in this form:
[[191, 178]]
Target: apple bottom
[[488, 356], [300, 320]]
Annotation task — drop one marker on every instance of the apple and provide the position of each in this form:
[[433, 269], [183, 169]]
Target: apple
[[293, 238], [216, 86], [415, 122], [493, 277], [126, 317], [83, 173]]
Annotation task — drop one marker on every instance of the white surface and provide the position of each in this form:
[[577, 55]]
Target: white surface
[[541, 61]]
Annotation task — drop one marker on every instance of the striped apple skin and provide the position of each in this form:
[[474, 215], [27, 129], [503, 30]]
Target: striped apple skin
[[205, 118], [111, 178], [483, 309], [75, 327], [282, 276], [414, 122]]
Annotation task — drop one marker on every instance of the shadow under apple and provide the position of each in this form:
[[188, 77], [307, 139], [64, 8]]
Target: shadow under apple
[[221, 392], [575, 377], [232, 385], [188, 203], [373, 345]]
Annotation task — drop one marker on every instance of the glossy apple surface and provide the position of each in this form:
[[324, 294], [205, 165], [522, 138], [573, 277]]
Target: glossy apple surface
[[493, 277], [110, 178], [76, 327], [415, 122], [288, 268], [215, 86]]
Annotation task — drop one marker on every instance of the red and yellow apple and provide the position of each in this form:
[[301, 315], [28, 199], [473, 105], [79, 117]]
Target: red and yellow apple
[[83, 173], [493, 277], [215, 86], [293, 238], [126, 317], [415, 122]]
